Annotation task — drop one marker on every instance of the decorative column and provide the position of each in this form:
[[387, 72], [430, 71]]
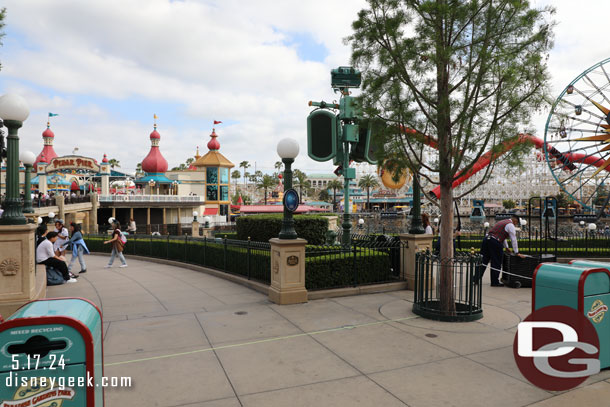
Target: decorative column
[[27, 158], [42, 176]]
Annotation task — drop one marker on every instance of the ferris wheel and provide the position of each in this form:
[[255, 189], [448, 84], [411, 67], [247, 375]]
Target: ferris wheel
[[577, 138]]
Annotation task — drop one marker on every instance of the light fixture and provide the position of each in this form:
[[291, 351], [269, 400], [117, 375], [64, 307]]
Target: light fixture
[[51, 215], [581, 223], [195, 214], [361, 221], [13, 107], [592, 226], [288, 148], [486, 224]]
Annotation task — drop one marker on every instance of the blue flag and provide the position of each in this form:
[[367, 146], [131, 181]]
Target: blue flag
[[53, 114]]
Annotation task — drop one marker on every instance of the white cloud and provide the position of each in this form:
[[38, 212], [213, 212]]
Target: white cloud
[[223, 59]]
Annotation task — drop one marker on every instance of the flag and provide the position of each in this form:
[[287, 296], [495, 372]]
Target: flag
[[217, 122], [53, 114], [155, 116]]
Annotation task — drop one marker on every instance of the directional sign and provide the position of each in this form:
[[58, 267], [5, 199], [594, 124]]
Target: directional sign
[[291, 200]]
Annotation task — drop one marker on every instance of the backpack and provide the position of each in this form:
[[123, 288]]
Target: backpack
[[54, 277], [122, 237]]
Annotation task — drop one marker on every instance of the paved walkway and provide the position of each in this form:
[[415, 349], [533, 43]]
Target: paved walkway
[[189, 339]]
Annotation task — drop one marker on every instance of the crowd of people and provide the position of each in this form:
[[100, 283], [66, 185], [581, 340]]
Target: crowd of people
[[52, 244]]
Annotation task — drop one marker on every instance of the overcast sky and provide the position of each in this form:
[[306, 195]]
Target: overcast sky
[[106, 66]]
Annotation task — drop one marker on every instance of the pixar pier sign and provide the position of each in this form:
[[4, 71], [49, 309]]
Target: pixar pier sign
[[73, 163]]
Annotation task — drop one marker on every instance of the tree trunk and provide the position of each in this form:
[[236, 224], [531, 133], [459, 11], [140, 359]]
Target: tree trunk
[[447, 297], [368, 201]]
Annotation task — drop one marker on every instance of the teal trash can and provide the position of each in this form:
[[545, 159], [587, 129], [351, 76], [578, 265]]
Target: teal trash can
[[48, 343], [585, 288]]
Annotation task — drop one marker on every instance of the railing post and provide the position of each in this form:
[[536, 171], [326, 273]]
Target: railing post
[[150, 246], [586, 241], [225, 255], [354, 268], [248, 258], [186, 238], [205, 247], [167, 248]]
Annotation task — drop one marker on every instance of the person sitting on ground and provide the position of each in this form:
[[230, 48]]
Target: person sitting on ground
[[47, 256], [78, 247]]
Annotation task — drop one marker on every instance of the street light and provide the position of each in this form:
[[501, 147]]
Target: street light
[[288, 150], [592, 227], [14, 111], [28, 159], [195, 213], [206, 222]]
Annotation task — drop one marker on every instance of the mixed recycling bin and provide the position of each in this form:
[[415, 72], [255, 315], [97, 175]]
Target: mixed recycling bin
[[51, 354], [585, 288]]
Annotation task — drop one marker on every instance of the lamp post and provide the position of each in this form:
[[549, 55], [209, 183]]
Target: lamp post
[[288, 150], [175, 185], [206, 222], [417, 227], [195, 214], [13, 110], [27, 158], [151, 184]]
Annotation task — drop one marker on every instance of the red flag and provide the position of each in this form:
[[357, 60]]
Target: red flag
[[217, 122]]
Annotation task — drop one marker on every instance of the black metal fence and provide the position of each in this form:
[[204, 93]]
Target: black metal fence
[[245, 258], [465, 289], [368, 260], [585, 243]]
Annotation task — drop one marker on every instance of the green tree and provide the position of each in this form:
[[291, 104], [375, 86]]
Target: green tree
[[300, 181], [508, 204], [601, 195], [367, 182], [469, 74], [335, 185], [139, 171], [266, 182], [278, 166], [563, 200], [245, 165], [235, 175], [113, 162], [324, 195], [2, 24]]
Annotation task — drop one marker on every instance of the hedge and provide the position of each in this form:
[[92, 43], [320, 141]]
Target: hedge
[[261, 228], [208, 253], [332, 271]]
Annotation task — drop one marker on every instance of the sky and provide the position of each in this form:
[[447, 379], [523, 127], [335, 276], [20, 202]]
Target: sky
[[107, 66]]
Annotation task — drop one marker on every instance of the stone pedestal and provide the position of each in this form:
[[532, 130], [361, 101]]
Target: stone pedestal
[[412, 244], [207, 232], [195, 229], [19, 282], [287, 271]]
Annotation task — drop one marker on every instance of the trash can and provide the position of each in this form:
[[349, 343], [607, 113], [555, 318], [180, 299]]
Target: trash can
[[48, 343], [518, 272], [583, 288]]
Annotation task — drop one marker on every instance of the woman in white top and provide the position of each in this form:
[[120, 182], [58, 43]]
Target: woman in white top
[[62, 237], [426, 221]]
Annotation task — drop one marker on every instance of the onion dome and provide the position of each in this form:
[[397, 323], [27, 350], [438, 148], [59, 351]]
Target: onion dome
[[47, 151], [213, 144], [154, 161]]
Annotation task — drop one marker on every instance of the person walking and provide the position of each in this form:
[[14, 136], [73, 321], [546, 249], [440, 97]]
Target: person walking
[[117, 242], [491, 248], [78, 247], [45, 254]]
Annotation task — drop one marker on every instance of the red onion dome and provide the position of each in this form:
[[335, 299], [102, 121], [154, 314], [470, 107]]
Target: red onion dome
[[213, 144], [105, 159], [48, 133], [155, 134], [154, 162]]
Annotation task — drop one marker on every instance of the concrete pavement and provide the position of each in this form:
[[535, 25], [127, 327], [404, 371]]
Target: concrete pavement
[[190, 339]]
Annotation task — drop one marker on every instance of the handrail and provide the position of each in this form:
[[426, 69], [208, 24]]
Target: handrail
[[150, 198]]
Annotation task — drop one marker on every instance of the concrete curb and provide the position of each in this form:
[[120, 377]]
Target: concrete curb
[[264, 289]]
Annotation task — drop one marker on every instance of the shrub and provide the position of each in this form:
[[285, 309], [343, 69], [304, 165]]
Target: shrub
[[261, 228]]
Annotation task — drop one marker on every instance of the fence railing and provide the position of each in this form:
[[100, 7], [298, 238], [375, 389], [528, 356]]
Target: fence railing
[[151, 198], [364, 262], [465, 288], [248, 259]]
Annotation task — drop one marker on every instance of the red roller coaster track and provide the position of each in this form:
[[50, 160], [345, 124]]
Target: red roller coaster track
[[566, 160]]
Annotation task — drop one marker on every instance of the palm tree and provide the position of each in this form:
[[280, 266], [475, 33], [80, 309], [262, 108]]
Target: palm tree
[[235, 175], [246, 177], [245, 165], [368, 181], [334, 185], [139, 171], [113, 162], [265, 183], [278, 166], [301, 182]]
